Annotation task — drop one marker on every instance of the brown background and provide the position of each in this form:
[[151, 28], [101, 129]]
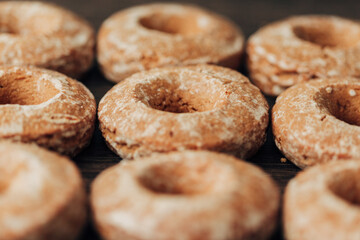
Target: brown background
[[249, 15]]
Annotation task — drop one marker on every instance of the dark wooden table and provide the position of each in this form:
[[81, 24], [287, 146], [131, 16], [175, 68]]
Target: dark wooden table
[[249, 15]]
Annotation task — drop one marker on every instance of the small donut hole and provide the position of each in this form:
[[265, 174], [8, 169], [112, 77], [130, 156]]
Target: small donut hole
[[346, 185], [172, 24], [328, 33], [343, 102], [188, 97], [18, 88], [6, 29], [179, 178]]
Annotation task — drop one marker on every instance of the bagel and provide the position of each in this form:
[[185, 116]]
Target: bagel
[[165, 34], [185, 195], [177, 108], [45, 107], [41, 194], [45, 35], [303, 48], [318, 121], [322, 202]]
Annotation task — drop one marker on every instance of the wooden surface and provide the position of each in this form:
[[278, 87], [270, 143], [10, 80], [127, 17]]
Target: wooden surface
[[249, 15]]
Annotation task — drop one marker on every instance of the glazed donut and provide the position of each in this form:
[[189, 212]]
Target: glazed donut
[[177, 108], [212, 195], [45, 35], [322, 202], [166, 34], [318, 121], [41, 194], [303, 48], [45, 107]]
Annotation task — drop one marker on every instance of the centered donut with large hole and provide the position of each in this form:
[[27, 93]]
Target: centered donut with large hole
[[303, 48], [45, 35], [171, 109], [322, 202], [185, 195], [45, 107], [166, 34], [319, 121]]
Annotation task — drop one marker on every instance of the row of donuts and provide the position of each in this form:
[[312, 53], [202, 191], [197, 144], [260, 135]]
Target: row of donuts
[[67, 46], [310, 120], [139, 38], [33, 98], [42, 197], [158, 35], [170, 105]]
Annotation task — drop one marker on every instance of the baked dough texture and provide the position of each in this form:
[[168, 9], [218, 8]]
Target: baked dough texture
[[166, 34], [177, 108], [41, 194], [303, 48], [318, 121], [45, 35], [185, 195], [45, 107], [322, 202]]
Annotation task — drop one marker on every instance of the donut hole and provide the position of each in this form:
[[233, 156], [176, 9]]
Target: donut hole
[[186, 97], [16, 88], [346, 185], [343, 102], [172, 24], [179, 178], [6, 29], [328, 33]]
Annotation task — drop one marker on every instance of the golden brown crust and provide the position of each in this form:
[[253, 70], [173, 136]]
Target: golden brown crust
[[303, 48], [45, 35], [322, 202], [41, 194], [45, 107], [165, 34], [212, 195], [176, 108], [318, 121]]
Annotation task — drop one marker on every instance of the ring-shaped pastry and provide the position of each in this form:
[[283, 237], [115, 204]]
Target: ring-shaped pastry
[[185, 195], [177, 108], [166, 34], [45, 107], [303, 48]]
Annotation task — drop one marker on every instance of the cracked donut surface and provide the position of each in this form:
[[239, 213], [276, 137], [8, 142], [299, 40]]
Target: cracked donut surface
[[211, 195], [318, 121], [322, 202], [303, 48], [41, 194], [166, 34], [45, 35], [45, 107], [177, 108]]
